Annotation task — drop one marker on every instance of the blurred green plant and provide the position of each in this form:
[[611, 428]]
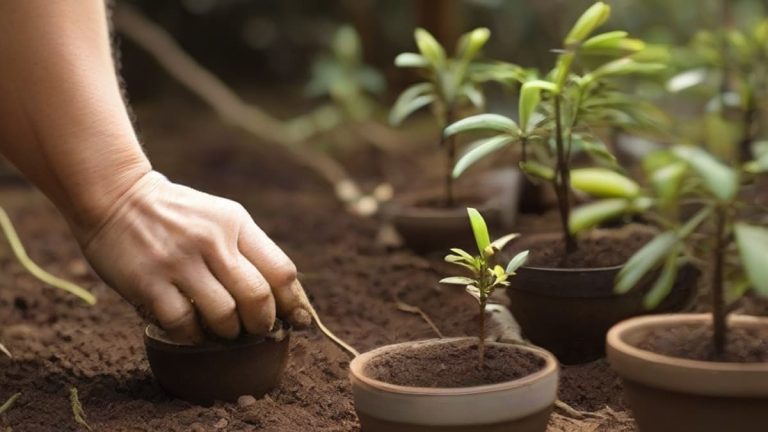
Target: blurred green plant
[[342, 75], [449, 87], [727, 228], [485, 275], [728, 67], [549, 134]]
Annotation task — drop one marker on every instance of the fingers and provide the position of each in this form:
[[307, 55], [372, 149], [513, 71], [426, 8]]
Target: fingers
[[216, 305], [174, 313], [292, 304], [260, 250], [252, 294]]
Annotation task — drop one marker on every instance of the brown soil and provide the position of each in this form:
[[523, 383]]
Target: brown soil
[[743, 345], [597, 248], [454, 365], [58, 342]]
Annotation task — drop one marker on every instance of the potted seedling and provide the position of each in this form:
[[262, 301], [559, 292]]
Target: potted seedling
[[702, 372], [563, 295], [430, 220], [428, 385]]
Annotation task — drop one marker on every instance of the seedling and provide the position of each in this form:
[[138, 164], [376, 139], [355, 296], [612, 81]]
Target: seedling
[[341, 75], [724, 230], [486, 276], [547, 135], [448, 88]]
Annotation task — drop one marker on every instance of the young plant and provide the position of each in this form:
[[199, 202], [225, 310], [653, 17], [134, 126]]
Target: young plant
[[449, 87], [727, 231], [342, 75], [549, 134], [485, 275]]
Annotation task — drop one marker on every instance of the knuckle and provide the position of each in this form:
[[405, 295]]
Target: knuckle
[[257, 293], [174, 318], [223, 311], [285, 272]]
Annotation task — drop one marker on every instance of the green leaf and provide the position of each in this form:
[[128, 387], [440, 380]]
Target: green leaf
[[687, 79], [471, 43], [720, 179], [623, 66], [481, 122], [464, 254], [479, 150], [474, 95], [537, 170], [457, 280], [479, 229], [604, 38], [591, 19], [517, 261], [430, 48], [593, 214], [530, 96], [603, 183], [644, 260], [663, 285], [411, 99], [500, 242], [753, 246], [411, 60], [666, 183]]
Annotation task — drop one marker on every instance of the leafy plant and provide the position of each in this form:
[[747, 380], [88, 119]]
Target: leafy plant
[[342, 75], [548, 134], [485, 275], [450, 85], [727, 66], [726, 230]]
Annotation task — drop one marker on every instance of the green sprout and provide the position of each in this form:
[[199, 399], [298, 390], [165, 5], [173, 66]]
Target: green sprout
[[726, 231], [342, 75], [548, 135], [485, 275], [450, 85]]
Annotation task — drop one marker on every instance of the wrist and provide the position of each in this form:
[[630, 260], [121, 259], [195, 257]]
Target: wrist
[[95, 198]]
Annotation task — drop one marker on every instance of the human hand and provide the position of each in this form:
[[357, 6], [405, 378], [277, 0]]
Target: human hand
[[183, 257]]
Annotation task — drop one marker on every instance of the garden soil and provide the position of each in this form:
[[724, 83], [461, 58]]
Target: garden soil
[[58, 342]]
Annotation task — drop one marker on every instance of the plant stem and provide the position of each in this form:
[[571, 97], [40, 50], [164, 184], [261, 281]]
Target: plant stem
[[718, 302], [450, 145], [562, 180], [481, 342]]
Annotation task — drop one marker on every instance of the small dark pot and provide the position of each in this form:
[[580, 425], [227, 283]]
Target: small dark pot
[[425, 226], [218, 370], [569, 311]]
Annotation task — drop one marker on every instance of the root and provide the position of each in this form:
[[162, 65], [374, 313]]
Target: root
[[7, 405], [34, 269], [77, 409], [578, 414], [325, 330], [231, 108], [5, 351], [405, 307]]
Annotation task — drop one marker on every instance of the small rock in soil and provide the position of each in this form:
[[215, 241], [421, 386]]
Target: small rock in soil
[[245, 401]]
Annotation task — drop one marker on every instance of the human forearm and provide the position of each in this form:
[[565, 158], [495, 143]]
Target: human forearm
[[62, 119]]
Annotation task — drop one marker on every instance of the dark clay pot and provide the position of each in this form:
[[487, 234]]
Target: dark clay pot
[[425, 226], [569, 311], [522, 405], [669, 394], [217, 370]]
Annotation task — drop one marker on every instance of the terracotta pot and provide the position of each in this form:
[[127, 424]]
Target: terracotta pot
[[425, 227], [217, 370], [668, 394], [569, 311], [523, 405]]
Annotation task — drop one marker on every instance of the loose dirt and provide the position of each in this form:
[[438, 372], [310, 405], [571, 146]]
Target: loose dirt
[[743, 345]]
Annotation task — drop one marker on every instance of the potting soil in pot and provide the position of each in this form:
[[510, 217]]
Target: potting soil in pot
[[743, 345], [453, 365]]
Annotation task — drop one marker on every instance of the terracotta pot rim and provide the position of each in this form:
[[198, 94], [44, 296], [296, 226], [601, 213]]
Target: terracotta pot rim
[[356, 368], [152, 338], [712, 378]]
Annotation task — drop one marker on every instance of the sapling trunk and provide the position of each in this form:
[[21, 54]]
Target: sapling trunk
[[450, 150], [481, 342], [718, 298], [562, 179]]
